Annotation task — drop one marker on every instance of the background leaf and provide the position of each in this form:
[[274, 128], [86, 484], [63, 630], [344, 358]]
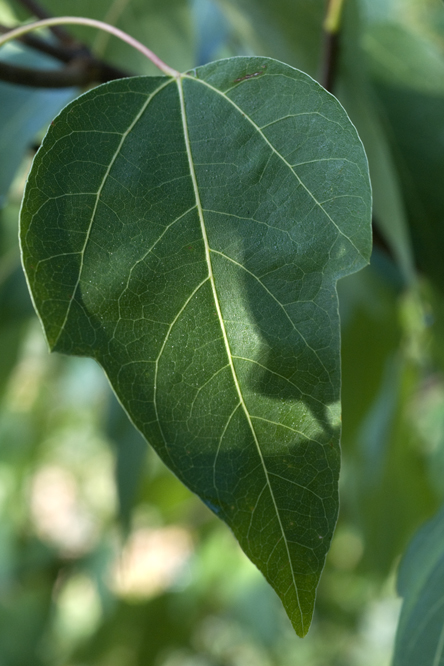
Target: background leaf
[[420, 581], [165, 26], [388, 492], [130, 458], [188, 235], [289, 30], [23, 112], [355, 91]]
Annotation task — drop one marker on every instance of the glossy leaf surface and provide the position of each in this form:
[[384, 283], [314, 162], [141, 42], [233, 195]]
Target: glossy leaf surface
[[188, 234]]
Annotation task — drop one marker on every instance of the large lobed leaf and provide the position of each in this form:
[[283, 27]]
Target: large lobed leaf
[[188, 234]]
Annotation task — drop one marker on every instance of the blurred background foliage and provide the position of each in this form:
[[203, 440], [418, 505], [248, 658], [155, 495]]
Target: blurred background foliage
[[105, 558]]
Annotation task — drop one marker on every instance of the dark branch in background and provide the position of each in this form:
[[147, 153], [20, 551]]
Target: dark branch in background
[[56, 50], [82, 69], [67, 54], [330, 62], [331, 45], [36, 9], [78, 73], [380, 242]]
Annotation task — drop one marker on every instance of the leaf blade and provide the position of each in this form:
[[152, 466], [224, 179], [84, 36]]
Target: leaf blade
[[207, 287], [238, 389]]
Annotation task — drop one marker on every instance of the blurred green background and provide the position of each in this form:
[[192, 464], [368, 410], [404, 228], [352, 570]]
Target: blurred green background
[[105, 558]]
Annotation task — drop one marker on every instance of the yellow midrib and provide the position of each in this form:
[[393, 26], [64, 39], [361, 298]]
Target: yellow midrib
[[224, 333]]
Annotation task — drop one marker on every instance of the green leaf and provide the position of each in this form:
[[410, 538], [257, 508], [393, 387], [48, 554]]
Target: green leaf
[[188, 234], [419, 639]]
